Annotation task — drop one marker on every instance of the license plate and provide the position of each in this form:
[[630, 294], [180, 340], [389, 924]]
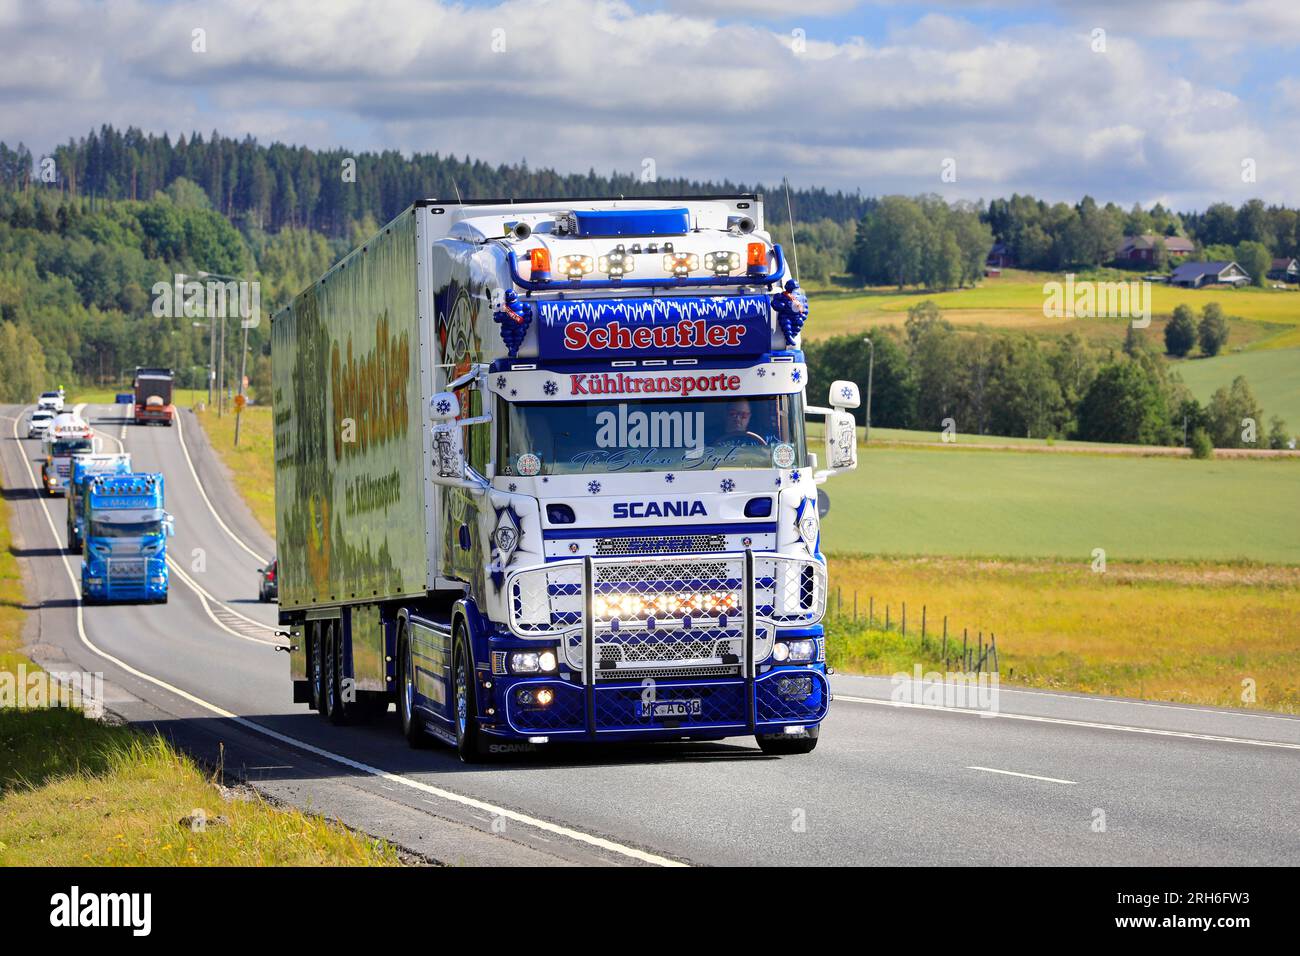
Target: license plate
[[670, 708]]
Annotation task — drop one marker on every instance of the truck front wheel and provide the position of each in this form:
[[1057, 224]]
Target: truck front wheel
[[412, 722], [468, 736]]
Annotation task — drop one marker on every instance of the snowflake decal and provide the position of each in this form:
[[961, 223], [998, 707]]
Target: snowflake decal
[[778, 482], [514, 392], [727, 485], [513, 486], [501, 381], [794, 476], [670, 477], [593, 487], [545, 480], [550, 388], [762, 372], [846, 392], [796, 375], [443, 406]]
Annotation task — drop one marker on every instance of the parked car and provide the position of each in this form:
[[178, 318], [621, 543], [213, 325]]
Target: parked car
[[51, 400], [267, 587], [38, 422]]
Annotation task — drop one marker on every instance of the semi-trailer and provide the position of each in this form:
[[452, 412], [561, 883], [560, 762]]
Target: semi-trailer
[[542, 475], [68, 435], [153, 396]]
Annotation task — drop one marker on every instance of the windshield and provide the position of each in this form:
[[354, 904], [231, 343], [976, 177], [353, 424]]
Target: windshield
[[71, 445], [125, 529], [657, 435]]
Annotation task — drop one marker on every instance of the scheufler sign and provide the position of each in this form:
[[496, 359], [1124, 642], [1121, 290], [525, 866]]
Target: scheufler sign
[[654, 327]]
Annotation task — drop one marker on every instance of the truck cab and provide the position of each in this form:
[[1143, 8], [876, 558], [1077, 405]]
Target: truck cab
[[124, 554], [84, 469], [68, 435]]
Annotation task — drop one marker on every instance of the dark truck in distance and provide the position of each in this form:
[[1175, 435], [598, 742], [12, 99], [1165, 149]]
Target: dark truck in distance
[[153, 396]]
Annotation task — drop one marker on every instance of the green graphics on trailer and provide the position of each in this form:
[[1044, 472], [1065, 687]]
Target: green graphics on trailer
[[347, 419]]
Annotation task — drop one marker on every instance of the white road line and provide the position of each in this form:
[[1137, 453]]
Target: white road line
[[578, 836], [180, 433], [1027, 776], [1183, 708], [1126, 728]]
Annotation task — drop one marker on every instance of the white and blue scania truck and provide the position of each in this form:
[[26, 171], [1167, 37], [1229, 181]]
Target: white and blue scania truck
[[542, 475], [124, 539]]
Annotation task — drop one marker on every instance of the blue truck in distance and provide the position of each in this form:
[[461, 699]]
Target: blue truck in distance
[[124, 551], [84, 468], [542, 475]]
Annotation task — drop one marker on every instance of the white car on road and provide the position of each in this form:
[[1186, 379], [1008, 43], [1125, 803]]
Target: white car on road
[[38, 422], [51, 400]]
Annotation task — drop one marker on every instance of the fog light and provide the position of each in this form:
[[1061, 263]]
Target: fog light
[[545, 696], [524, 697], [547, 661], [795, 688], [780, 652]]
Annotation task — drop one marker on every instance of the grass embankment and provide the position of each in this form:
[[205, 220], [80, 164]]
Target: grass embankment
[[1259, 318], [1190, 633], [252, 464], [76, 791]]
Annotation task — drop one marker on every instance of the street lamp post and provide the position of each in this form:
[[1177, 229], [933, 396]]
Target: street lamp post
[[871, 367], [211, 327]]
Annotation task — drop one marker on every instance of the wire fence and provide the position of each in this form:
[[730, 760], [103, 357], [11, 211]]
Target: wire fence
[[973, 654]]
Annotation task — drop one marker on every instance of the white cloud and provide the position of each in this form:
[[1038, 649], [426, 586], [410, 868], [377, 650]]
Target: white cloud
[[599, 83]]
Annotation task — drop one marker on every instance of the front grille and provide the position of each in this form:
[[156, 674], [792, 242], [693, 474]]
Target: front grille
[[662, 544]]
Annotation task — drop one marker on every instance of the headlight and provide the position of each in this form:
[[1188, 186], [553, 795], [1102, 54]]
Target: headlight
[[533, 662], [801, 650]]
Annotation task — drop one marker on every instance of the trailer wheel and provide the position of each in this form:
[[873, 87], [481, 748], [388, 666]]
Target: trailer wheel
[[468, 737], [338, 710], [781, 745], [412, 722], [311, 638]]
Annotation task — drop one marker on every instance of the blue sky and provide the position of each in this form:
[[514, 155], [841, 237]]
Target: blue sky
[[1181, 101]]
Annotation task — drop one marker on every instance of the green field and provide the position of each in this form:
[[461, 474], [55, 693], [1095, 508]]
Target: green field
[[1259, 318], [1274, 377], [1033, 505]]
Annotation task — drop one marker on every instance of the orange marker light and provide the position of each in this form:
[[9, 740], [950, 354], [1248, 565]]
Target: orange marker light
[[539, 260], [757, 255]]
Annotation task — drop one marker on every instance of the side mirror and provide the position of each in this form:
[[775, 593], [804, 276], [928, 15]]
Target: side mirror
[[841, 440], [844, 395]]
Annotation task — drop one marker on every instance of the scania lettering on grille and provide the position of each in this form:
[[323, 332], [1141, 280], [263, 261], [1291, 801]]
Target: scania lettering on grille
[[659, 509]]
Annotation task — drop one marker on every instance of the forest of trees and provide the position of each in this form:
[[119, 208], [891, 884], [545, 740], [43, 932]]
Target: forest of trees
[[930, 376], [277, 186]]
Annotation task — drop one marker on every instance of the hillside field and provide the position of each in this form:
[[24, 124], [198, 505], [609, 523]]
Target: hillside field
[[1273, 374], [959, 502]]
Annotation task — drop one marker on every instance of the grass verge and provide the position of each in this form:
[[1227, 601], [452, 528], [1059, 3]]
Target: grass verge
[[79, 792], [1188, 633], [252, 463]]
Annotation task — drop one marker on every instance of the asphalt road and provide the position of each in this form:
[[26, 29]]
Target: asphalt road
[[1052, 779]]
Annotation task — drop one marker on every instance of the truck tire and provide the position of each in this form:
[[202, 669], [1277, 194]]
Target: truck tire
[[337, 709], [778, 745], [315, 667], [469, 744], [411, 721]]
